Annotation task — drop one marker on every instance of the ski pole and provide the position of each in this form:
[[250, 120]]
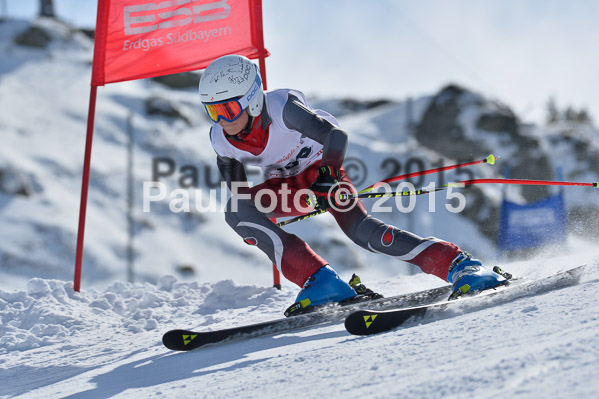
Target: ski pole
[[423, 191], [363, 195], [466, 183], [522, 182], [420, 191], [490, 160], [302, 217]]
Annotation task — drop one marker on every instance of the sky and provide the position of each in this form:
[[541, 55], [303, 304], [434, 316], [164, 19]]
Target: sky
[[520, 52]]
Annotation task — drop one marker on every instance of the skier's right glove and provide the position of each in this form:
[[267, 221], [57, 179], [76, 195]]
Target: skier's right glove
[[324, 188]]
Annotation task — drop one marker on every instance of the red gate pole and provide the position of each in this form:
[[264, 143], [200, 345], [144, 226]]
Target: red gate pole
[[85, 186], [276, 275], [262, 65], [258, 38]]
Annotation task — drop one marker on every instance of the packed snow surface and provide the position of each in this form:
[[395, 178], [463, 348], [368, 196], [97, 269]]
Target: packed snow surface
[[98, 344]]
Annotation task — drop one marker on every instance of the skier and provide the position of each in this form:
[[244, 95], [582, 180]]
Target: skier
[[301, 148]]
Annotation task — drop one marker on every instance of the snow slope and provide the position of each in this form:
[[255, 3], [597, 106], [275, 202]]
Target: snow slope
[[57, 343]]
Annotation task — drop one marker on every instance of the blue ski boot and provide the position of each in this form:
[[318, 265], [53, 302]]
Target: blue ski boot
[[469, 275], [322, 287]]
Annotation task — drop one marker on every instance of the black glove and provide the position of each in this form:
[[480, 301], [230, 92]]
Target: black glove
[[324, 188]]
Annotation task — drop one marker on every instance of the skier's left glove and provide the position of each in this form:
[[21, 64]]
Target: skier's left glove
[[324, 188]]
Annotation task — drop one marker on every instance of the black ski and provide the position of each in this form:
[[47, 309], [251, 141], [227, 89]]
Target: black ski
[[184, 340], [372, 321]]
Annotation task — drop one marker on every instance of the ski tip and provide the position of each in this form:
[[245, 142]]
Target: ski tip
[[179, 340], [358, 323], [491, 159]]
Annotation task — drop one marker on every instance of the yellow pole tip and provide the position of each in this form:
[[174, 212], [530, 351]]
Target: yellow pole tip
[[491, 159]]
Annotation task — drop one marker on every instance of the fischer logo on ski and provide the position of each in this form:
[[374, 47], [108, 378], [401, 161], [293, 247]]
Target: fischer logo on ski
[[369, 319], [188, 338]]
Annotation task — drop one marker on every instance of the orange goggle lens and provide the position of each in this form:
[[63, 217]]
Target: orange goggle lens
[[228, 111]]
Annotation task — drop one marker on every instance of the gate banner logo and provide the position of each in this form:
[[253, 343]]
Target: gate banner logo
[[138, 39]]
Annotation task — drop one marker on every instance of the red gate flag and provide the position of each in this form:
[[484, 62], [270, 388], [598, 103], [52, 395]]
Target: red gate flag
[[138, 39]]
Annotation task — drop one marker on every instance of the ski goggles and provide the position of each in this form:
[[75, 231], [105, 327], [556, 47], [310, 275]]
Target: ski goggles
[[230, 110]]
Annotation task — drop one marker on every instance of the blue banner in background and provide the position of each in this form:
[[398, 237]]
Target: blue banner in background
[[532, 225]]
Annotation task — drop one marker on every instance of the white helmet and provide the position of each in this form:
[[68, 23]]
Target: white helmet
[[233, 77]]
